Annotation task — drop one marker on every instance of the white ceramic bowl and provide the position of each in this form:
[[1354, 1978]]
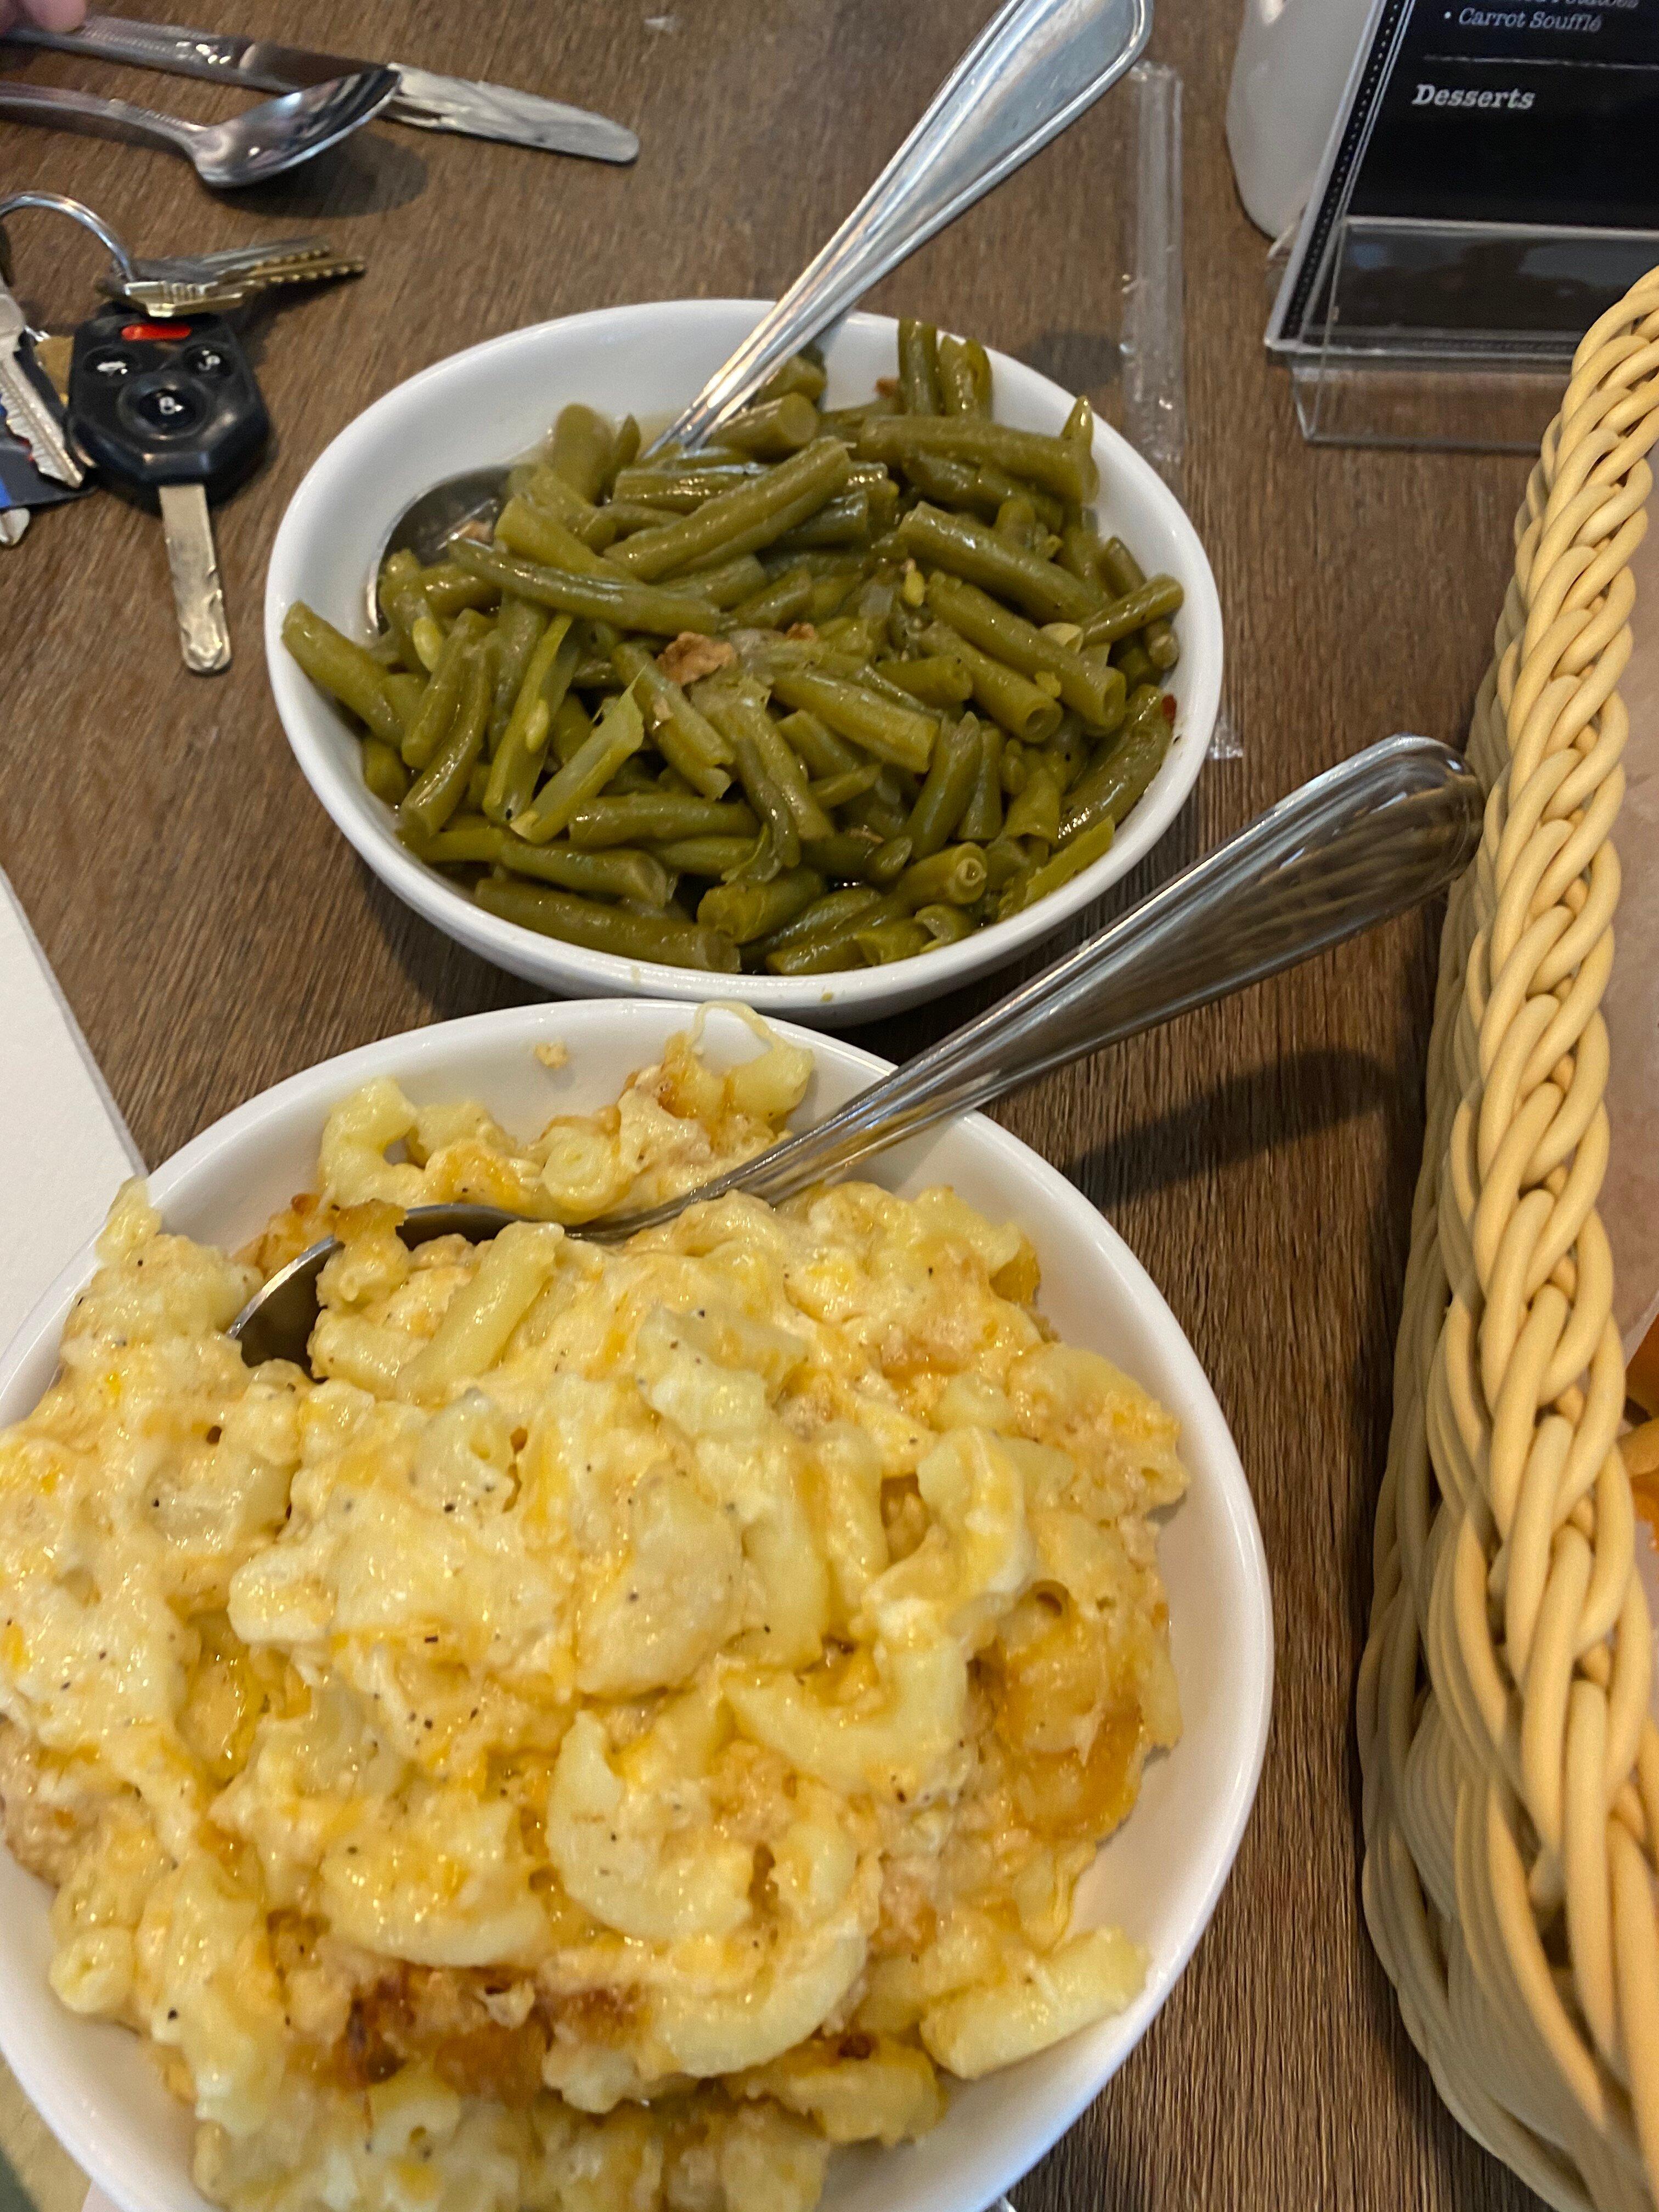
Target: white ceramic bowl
[[495, 401], [1158, 1877]]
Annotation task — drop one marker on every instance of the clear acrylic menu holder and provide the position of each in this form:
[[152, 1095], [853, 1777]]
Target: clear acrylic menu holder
[[1401, 331]]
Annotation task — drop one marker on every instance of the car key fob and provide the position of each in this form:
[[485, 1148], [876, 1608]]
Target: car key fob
[[172, 410], [153, 404]]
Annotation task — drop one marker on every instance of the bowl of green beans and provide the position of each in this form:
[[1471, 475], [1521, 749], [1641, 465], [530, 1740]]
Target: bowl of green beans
[[833, 715]]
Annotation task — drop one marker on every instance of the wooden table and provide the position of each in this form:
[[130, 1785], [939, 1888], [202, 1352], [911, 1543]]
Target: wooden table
[[214, 933]]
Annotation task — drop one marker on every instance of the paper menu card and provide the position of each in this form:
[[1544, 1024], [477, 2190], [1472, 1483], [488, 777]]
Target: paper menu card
[[66, 1148]]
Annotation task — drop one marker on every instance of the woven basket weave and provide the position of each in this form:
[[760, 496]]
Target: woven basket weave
[[1512, 1770]]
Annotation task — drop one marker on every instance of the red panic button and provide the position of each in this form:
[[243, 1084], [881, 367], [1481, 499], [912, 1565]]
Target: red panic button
[[132, 332]]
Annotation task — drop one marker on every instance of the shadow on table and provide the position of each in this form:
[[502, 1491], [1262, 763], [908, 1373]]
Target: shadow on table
[[447, 979], [373, 170]]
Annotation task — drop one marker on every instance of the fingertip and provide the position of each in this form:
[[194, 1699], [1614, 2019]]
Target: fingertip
[[53, 15]]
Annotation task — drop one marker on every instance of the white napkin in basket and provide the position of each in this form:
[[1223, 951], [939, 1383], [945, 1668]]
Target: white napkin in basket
[[66, 1148]]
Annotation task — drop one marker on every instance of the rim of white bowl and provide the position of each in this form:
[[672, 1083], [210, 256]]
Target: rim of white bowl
[[150, 2186], [858, 993]]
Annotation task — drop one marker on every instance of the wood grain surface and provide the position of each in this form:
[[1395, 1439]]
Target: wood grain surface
[[214, 933]]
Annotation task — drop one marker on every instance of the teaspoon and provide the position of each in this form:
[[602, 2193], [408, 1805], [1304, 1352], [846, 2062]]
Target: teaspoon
[[262, 142], [1366, 840]]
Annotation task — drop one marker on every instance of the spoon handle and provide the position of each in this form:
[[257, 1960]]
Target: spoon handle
[[1034, 68], [1366, 840], [56, 109]]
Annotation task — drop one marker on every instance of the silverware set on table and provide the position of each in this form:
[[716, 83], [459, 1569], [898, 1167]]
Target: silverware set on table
[[319, 100], [323, 98]]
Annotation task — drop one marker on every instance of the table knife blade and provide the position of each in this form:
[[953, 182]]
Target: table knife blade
[[425, 99]]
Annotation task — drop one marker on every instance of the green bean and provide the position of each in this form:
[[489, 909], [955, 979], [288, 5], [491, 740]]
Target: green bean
[[833, 791], [981, 818], [833, 915], [729, 583], [739, 712], [653, 816], [944, 796], [996, 563], [815, 956], [946, 925], [801, 372], [624, 451], [1079, 852], [619, 731], [443, 693], [544, 488], [999, 691], [843, 856], [1061, 465], [682, 733], [1088, 685], [898, 938], [847, 519], [579, 449], [342, 668], [466, 841], [1005, 860], [779, 604], [384, 771], [624, 517], [1132, 659], [525, 530], [594, 671], [984, 490], [889, 861], [1035, 812], [956, 876], [771, 428], [742, 520], [680, 486], [450, 591], [964, 370], [705, 856], [1125, 575], [570, 729], [600, 599], [1142, 603], [518, 629], [823, 752], [406, 691], [937, 681], [1109, 792], [612, 929], [1017, 518], [477, 783], [847, 422], [406, 610], [438, 791], [890, 732], [543, 689], [616, 872], [1080, 551], [1069, 749], [748, 911], [918, 367]]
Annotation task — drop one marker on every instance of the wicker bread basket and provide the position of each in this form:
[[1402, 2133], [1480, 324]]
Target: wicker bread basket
[[1511, 1769]]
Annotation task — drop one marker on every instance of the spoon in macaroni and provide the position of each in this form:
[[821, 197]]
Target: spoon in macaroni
[[1366, 840]]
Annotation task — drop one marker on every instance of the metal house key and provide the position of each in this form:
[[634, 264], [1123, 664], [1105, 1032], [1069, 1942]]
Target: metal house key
[[172, 410], [26, 412]]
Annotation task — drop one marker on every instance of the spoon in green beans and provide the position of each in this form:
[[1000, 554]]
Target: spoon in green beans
[[1367, 840], [1036, 67]]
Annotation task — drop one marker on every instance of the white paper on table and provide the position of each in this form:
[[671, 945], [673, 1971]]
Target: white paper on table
[[66, 1148]]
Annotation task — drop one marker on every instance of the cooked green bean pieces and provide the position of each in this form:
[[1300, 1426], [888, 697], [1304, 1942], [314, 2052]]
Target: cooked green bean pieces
[[846, 684], [614, 929]]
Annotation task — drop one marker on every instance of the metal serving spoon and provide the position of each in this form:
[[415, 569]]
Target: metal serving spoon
[[1366, 840], [260, 142], [1036, 67]]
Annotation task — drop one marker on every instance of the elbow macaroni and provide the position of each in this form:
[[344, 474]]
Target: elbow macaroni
[[625, 1727]]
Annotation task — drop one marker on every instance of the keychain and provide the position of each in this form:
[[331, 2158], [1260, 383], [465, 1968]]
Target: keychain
[[172, 410]]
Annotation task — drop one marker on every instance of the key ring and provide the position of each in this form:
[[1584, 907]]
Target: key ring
[[56, 203]]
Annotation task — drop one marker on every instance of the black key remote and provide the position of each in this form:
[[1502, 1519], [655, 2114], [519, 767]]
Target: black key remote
[[171, 409]]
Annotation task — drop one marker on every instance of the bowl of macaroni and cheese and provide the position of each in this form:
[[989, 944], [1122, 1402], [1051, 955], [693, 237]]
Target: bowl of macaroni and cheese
[[755, 1716]]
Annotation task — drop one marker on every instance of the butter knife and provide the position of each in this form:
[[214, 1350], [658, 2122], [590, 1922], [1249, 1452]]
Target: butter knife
[[429, 101]]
